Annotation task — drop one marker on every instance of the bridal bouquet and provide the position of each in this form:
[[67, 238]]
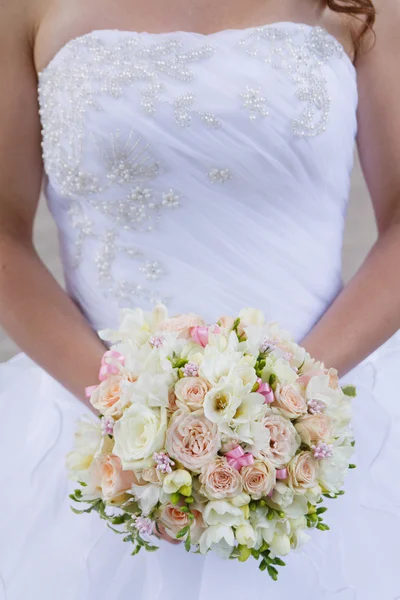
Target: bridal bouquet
[[228, 437]]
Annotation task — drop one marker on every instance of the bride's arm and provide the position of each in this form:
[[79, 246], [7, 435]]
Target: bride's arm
[[34, 309], [367, 311]]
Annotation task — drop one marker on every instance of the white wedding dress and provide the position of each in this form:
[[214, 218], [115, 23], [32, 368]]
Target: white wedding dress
[[210, 172]]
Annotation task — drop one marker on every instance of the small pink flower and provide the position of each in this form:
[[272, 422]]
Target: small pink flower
[[144, 525], [322, 450], [163, 462], [316, 407], [267, 344], [191, 369], [107, 425], [156, 341], [182, 324]]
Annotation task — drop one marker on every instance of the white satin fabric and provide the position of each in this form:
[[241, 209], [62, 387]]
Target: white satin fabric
[[211, 172]]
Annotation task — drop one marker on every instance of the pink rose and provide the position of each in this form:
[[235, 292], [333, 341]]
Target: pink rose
[[290, 401], [174, 519], [109, 398], [107, 477], [190, 392], [182, 324], [302, 471], [314, 428], [192, 440], [283, 440], [259, 478], [220, 480]]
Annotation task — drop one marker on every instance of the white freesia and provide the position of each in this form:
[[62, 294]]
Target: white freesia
[[136, 325], [293, 505], [152, 389], [175, 480], [221, 403], [251, 316], [284, 372], [332, 471], [219, 538], [241, 499], [280, 544], [246, 535], [88, 441], [217, 364], [147, 496], [139, 434], [223, 512]]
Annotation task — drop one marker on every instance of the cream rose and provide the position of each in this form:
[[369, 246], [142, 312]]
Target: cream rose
[[302, 472], [192, 440], [289, 400], [107, 476], [175, 480], [283, 440], [182, 324], [258, 478], [139, 434], [190, 392], [109, 398], [220, 480], [314, 428]]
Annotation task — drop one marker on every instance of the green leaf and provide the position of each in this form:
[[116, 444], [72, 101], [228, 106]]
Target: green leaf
[[350, 391], [82, 483], [182, 532], [181, 362], [272, 572], [323, 527], [279, 561], [263, 565], [353, 443], [352, 466], [136, 550], [236, 324], [188, 543], [321, 510], [272, 379]]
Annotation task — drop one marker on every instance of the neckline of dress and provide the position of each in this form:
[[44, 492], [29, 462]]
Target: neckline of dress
[[205, 36]]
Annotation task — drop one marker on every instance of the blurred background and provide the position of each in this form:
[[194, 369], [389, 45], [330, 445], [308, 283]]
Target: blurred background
[[360, 235]]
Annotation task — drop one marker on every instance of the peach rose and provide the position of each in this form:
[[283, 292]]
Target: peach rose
[[259, 478], [283, 440], [108, 478], [192, 439], [190, 392], [302, 472], [314, 428], [333, 379], [220, 480], [108, 398], [289, 400], [174, 519], [226, 322], [182, 324]]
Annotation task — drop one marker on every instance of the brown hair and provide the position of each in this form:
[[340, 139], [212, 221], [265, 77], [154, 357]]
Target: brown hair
[[364, 10]]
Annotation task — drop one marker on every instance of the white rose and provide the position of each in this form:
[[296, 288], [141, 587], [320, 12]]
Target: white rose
[[175, 480], [332, 471], [223, 512], [139, 434], [246, 535], [88, 441], [219, 538]]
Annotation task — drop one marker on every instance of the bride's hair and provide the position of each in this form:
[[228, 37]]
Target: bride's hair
[[363, 9]]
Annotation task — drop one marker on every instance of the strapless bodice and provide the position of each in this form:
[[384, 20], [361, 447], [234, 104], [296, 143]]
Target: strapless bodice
[[209, 172]]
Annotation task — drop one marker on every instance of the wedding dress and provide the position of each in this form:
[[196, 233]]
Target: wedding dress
[[210, 172]]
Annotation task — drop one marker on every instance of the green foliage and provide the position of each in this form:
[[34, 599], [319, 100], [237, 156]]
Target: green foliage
[[350, 391]]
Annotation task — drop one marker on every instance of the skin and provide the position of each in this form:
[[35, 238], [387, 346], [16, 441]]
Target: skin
[[34, 309]]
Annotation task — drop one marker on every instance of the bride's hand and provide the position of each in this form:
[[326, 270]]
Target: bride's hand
[[161, 533]]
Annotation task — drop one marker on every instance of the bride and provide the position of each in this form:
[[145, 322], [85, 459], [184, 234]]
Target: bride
[[198, 153]]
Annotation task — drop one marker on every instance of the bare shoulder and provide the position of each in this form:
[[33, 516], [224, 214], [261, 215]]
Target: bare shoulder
[[384, 39]]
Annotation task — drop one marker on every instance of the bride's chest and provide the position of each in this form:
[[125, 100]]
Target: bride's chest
[[108, 96]]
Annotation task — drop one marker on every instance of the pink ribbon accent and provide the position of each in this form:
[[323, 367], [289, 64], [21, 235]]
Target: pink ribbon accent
[[281, 473], [89, 390], [265, 391], [237, 458], [113, 354], [199, 334]]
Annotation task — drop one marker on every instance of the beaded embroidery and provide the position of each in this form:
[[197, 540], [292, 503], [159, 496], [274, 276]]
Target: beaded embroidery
[[302, 63]]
